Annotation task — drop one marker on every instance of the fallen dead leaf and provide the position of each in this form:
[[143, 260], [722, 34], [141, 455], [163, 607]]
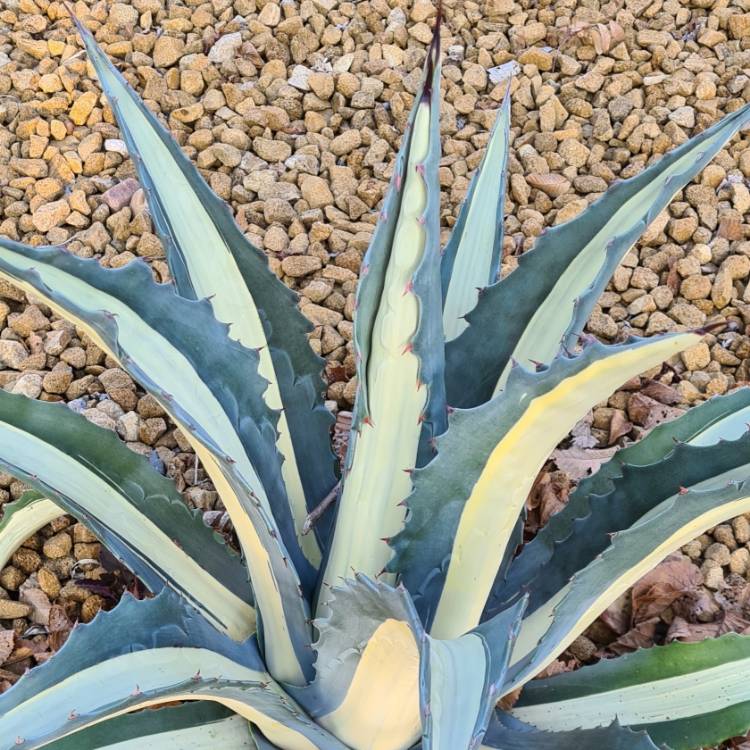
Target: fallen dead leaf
[[578, 463], [619, 426], [663, 585], [39, 602]]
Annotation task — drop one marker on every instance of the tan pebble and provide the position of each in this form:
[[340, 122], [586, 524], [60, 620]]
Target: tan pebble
[[48, 582], [270, 14], [50, 215], [10, 610], [300, 265], [741, 527], [82, 107], [738, 561], [26, 560], [11, 578], [87, 550], [552, 184], [167, 51], [58, 545]]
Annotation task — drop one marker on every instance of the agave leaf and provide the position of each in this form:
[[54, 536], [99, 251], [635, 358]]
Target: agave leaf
[[261, 743], [508, 733], [637, 492], [685, 695], [366, 687], [381, 680], [88, 472], [23, 518], [471, 258], [461, 681], [460, 522], [398, 335], [160, 338], [550, 295], [197, 725], [544, 566], [145, 653], [632, 552], [210, 258]]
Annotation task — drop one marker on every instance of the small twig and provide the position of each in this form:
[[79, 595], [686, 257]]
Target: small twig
[[314, 515]]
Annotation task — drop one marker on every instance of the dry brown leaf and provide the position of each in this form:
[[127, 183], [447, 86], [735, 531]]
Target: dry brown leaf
[[648, 412], [601, 36], [663, 585], [578, 463], [661, 392], [688, 632], [581, 434], [40, 604], [619, 426], [643, 635], [617, 617], [548, 496]]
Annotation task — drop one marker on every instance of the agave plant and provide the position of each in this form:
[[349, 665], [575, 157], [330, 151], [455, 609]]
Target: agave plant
[[402, 620]]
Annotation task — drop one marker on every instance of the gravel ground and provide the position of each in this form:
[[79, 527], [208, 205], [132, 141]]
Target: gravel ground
[[293, 111]]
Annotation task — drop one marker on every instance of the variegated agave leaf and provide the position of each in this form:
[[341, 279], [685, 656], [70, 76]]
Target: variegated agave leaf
[[461, 522], [197, 725], [159, 338], [380, 676], [506, 732], [685, 695], [546, 301], [673, 455], [145, 653], [471, 259], [400, 403], [260, 311], [633, 551], [87, 471]]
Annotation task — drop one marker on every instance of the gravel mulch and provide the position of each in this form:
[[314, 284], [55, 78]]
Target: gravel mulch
[[293, 110]]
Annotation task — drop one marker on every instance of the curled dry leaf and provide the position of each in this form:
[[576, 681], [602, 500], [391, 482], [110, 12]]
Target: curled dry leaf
[[39, 603], [688, 632], [578, 463], [644, 635], [601, 36], [648, 412], [662, 586], [581, 435], [548, 496], [619, 426]]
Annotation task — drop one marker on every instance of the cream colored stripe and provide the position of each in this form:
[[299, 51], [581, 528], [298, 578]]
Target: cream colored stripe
[[542, 618], [215, 275], [91, 690], [380, 710], [385, 450], [24, 523], [669, 699], [497, 498], [541, 338], [29, 454]]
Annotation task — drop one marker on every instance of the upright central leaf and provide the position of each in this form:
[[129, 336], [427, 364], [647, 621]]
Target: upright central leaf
[[400, 403]]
